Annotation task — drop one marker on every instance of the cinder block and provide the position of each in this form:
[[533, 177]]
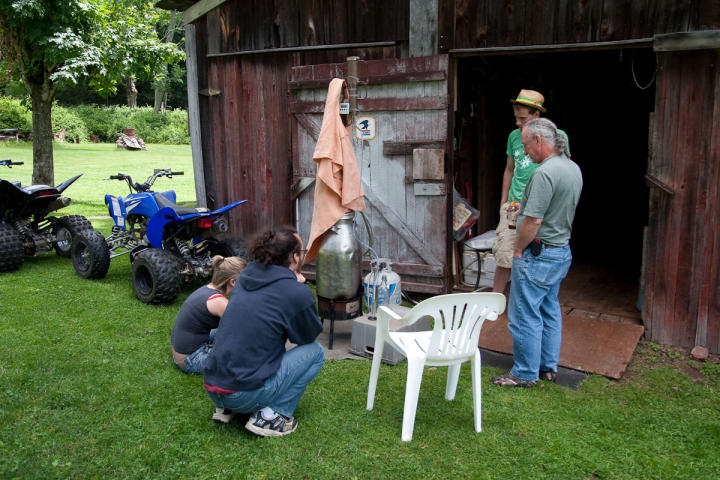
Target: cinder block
[[362, 341]]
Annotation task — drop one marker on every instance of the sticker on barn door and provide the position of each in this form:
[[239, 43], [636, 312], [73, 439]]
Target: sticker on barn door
[[365, 128]]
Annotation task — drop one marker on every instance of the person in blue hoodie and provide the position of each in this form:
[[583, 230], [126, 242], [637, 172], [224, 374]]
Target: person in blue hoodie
[[248, 370]]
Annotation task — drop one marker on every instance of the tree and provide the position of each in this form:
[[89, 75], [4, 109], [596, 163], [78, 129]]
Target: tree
[[50, 44], [162, 83]]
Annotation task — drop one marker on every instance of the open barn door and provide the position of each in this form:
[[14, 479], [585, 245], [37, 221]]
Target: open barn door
[[400, 139], [681, 255]]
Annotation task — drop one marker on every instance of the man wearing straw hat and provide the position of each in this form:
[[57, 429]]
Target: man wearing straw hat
[[518, 169]]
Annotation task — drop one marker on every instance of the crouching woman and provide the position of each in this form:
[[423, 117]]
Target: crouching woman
[[193, 334], [249, 369]]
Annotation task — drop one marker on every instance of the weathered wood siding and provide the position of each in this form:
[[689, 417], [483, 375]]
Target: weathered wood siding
[[408, 100], [238, 26], [497, 23], [682, 305], [249, 131], [244, 98]]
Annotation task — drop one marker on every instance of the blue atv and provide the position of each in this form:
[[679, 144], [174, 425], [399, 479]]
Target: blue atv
[[169, 244], [26, 226]]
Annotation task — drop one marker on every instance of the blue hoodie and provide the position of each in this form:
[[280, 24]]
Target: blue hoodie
[[268, 306]]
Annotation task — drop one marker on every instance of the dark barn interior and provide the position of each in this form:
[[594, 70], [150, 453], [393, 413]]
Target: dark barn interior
[[603, 100]]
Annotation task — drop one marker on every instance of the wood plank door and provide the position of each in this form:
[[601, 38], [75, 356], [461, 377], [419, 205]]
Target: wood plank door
[[402, 160], [682, 258]]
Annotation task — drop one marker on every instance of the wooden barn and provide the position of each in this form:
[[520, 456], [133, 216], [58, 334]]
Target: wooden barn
[[635, 84]]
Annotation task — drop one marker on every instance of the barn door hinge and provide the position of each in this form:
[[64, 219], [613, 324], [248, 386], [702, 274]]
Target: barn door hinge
[[660, 184]]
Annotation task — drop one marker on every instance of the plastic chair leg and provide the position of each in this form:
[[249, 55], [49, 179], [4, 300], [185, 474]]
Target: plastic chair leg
[[412, 392], [375, 369], [452, 381], [476, 390]]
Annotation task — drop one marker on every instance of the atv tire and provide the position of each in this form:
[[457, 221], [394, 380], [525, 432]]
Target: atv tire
[[65, 229], [156, 276], [11, 248], [231, 247], [90, 254]]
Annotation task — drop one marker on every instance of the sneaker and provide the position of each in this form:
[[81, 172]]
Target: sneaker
[[277, 427], [509, 380], [223, 415]]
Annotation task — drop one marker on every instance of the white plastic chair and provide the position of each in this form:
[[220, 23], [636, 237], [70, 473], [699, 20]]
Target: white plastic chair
[[458, 319]]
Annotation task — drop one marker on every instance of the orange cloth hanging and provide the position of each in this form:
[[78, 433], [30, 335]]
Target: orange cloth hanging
[[338, 185]]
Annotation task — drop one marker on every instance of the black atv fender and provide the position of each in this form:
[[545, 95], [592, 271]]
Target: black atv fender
[[137, 251], [67, 183]]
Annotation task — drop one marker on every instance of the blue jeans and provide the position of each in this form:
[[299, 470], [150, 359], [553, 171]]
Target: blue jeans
[[535, 318], [195, 362], [282, 391]]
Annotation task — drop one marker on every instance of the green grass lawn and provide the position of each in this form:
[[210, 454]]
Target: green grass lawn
[[97, 161], [89, 391]]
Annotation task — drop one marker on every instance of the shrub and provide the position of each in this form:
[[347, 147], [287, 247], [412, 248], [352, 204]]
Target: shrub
[[101, 122], [69, 121], [13, 114], [106, 123], [169, 127]]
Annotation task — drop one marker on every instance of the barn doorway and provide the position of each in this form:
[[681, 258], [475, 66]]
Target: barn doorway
[[604, 101]]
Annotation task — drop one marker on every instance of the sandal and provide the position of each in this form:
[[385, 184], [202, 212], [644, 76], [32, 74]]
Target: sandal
[[509, 380], [548, 376]]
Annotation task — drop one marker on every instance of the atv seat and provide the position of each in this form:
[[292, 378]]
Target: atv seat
[[179, 209]]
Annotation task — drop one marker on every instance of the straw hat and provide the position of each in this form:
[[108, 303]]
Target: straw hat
[[530, 98]]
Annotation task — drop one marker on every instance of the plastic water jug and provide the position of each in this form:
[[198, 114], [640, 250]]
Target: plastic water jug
[[388, 285]]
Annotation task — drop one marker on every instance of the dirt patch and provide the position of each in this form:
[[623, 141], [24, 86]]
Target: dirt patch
[[649, 355]]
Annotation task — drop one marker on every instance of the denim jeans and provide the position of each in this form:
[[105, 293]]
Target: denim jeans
[[282, 391], [195, 362], [535, 318]]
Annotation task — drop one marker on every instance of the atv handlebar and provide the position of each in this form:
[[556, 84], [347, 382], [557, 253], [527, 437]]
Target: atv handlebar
[[145, 187], [9, 163]]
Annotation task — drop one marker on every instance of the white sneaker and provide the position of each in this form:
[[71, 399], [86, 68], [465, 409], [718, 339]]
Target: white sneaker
[[278, 426], [223, 415]]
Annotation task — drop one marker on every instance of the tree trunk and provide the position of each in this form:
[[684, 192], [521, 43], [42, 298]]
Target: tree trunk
[[43, 169], [161, 86], [131, 92]]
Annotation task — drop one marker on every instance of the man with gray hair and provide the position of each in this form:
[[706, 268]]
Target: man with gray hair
[[518, 169], [541, 258]]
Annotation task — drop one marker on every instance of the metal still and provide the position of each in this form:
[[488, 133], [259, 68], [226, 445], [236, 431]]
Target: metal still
[[338, 274], [339, 261]]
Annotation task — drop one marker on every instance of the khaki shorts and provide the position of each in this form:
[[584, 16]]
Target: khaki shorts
[[504, 240]]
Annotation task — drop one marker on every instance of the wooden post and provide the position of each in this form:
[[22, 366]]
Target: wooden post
[[194, 115], [351, 82]]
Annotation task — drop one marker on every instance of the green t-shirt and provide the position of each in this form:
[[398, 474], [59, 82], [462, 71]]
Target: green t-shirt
[[552, 194], [524, 166]]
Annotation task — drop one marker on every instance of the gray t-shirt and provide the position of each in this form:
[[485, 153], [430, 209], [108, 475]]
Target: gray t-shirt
[[552, 193]]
